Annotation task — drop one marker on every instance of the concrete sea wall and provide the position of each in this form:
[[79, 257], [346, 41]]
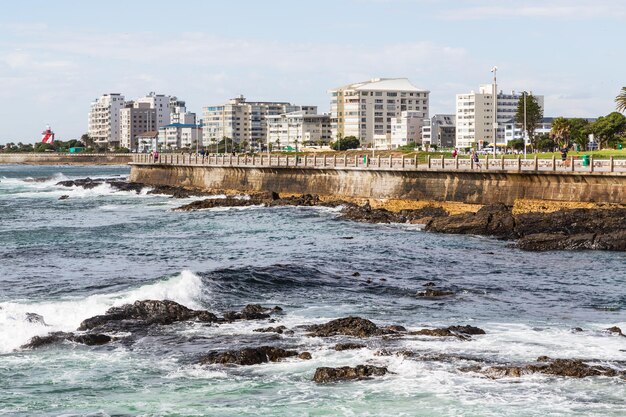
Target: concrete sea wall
[[61, 159], [459, 186]]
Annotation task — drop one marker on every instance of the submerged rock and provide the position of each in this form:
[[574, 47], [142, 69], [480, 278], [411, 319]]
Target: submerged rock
[[277, 329], [251, 312], [460, 332], [348, 346], [89, 339], [347, 373], [35, 318], [433, 293], [573, 368], [64, 197], [145, 313], [248, 356]]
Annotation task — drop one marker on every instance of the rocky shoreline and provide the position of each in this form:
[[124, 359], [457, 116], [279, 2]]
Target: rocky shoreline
[[129, 323], [566, 229]]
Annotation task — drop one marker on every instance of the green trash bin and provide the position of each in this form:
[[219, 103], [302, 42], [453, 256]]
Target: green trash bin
[[585, 160]]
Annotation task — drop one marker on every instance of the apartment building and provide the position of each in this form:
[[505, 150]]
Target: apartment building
[[440, 131], [474, 116], [241, 121], [136, 118], [405, 130], [366, 109], [300, 128], [179, 135], [162, 105], [104, 119]]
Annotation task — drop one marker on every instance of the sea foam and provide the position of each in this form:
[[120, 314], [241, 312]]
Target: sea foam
[[66, 315]]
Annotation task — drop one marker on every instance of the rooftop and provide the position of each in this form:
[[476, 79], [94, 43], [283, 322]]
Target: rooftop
[[384, 84]]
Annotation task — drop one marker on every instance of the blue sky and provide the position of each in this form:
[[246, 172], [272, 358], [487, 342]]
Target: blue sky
[[57, 56]]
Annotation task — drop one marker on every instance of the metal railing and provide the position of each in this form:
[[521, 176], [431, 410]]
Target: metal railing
[[572, 164]]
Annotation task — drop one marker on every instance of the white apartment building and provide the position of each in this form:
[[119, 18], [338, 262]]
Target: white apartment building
[[474, 116], [104, 119], [178, 135], [366, 109], [161, 103], [440, 130], [514, 130], [300, 128], [135, 118], [241, 121], [179, 113], [405, 130]]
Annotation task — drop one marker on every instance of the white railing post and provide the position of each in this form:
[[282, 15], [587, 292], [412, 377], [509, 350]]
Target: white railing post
[[456, 162]]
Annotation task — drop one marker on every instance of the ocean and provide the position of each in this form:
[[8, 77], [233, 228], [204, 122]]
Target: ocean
[[68, 260]]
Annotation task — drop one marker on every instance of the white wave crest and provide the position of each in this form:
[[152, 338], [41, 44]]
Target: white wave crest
[[66, 315]]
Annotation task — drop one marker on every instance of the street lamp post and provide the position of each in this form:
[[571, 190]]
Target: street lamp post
[[495, 110], [525, 133]]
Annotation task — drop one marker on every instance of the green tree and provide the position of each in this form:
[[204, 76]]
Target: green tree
[[544, 143], [608, 130], [227, 145], [349, 142], [516, 144], [579, 133], [561, 132], [534, 114], [620, 100]]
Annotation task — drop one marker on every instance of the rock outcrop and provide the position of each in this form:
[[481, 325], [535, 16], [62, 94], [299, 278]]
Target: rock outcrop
[[460, 332], [248, 356], [573, 368], [347, 373], [348, 326], [89, 339]]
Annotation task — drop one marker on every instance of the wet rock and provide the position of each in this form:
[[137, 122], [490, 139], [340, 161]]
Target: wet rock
[[572, 368], [615, 330], [491, 220], [347, 373], [429, 284], [347, 326], [460, 332], [613, 241], [251, 312], [64, 197], [248, 356], [278, 329], [89, 339], [35, 318], [145, 313], [305, 356], [348, 346], [356, 274], [433, 293]]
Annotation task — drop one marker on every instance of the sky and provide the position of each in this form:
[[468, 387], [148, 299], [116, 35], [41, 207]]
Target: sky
[[57, 56]]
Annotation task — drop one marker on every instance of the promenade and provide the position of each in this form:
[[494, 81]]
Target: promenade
[[365, 162]]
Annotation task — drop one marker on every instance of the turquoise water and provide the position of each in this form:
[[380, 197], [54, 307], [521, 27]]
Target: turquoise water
[[68, 260]]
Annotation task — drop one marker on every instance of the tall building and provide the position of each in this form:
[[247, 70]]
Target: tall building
[[406, 130], [136, 118], [178, 135], [161, 103], [179, 113], [366, 109], [474, 116], [440, 130], [241, 121], [104, 119], [303, 128]]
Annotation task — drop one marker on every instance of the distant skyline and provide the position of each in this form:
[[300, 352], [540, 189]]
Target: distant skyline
[[58, 56]]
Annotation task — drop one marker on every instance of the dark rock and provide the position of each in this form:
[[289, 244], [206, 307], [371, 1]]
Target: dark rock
[[145, 313], [278, 329], [460, 332], [577, 329], [248, 356], [573, 368], [615, 330], [429, 284], [356, 274], [89, 339], [346, 373], [251, 312], [305, 356], [394, 328], [348, 346], [35, 318], [615, 241], [64, 197], [348, 326], [431, 292], [491, 220]]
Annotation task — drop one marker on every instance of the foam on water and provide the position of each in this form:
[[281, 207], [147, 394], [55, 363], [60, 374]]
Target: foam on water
[[66, 315]]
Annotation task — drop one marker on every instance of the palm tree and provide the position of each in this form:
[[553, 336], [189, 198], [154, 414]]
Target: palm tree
[[561, 131], [621, 100]]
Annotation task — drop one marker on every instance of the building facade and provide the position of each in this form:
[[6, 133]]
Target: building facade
[[301, 128], [440, 131], [135, 118], [475, 120], [406, 130], [178, 136], [161, 104], [104, 119], [366, 110], [242, 121]]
